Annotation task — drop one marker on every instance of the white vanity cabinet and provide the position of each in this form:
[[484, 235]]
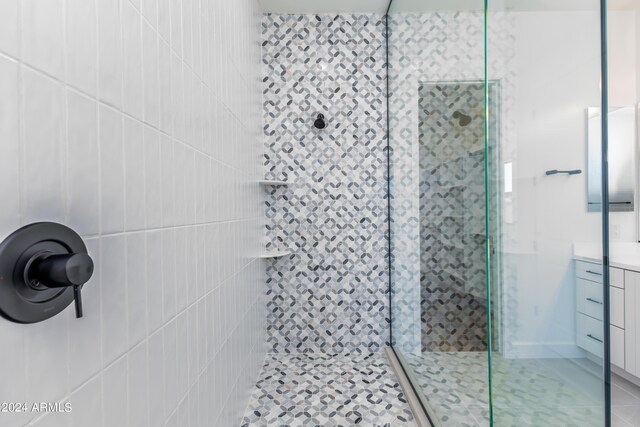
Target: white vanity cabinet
[[589, 313], [632, 322]]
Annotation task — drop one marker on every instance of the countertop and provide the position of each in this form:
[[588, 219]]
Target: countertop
[[621, 254]]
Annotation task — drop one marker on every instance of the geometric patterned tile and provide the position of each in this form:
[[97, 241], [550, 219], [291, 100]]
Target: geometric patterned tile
[[323, 390], [424, 48], [526, 392], [331, 294], [452, 216], [427, 50]]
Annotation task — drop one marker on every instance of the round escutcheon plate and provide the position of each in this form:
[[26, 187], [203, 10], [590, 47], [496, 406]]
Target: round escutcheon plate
[[25, 301]]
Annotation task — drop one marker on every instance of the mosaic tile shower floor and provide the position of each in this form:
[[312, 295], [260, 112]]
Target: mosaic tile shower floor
[[322, 390], [526, 392]]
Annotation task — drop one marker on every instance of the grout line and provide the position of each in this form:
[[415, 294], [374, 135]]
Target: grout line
[[142, 121], [100, 221], [21, 162], [64, 162], [229, 222]]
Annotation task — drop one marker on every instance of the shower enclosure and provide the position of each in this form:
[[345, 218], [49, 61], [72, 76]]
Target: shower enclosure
[[485, 101]]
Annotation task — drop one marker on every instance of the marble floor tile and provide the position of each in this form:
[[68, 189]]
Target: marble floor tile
[[324, 390], [525, 392]]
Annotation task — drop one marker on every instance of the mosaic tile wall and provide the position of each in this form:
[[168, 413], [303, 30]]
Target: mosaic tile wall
[[331, 294], [452, 216], [423, 47], [444, 47]]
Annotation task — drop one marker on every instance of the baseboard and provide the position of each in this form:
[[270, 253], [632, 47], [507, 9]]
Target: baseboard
[[422, 420], [549, 350], [624, 374]]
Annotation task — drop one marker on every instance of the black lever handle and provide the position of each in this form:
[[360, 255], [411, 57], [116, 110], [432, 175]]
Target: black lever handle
[[59, 271]]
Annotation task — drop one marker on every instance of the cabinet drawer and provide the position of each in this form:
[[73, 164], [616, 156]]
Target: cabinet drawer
[[589, 334], [589, 298], [589, 271], [616, 277], [632, 322], [616, 296], [617, 347]]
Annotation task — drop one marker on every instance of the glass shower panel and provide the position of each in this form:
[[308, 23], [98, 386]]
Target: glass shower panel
[[438, 204], [546, 274]]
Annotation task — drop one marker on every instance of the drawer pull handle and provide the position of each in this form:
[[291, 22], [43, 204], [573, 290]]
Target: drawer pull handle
[[593, 300], [594, 338], [594, 272]]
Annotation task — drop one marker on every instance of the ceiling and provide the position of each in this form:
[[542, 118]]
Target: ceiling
[[380, 6], [324, 6], [510, 5]]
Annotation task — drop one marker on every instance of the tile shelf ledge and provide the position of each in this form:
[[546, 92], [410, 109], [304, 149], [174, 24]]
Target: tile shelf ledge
[[274, 254], [271, 182]]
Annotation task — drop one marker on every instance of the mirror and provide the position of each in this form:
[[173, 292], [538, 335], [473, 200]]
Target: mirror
[[622, 155]]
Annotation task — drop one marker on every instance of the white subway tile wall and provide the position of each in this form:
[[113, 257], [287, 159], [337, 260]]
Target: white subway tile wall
[[137, 123]]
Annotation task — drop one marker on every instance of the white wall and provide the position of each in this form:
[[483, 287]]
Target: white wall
[[621, 35], [552, 79], [138, 124], [637, 40], [623, 81]]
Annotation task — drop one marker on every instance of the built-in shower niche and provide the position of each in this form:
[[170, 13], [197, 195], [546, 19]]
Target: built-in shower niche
[[452, 217]]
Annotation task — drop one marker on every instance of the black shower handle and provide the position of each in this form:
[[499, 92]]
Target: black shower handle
[[60, 271], [43, 268]]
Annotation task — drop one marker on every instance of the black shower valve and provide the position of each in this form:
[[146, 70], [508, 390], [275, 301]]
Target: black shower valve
[[60, 271], [43, 267]]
